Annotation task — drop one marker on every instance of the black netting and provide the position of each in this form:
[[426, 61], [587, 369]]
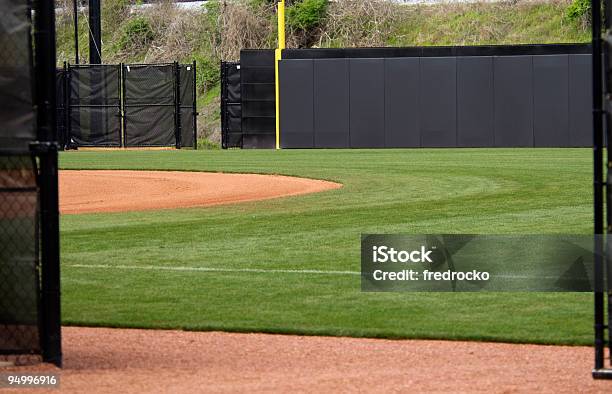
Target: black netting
[[187, 91], [95, 126], [149, 126], [19, 284], [60, 100], [149, 105], [233, 83], [95, 105], [16, 115], [187, 127], [187, 104], [231, 107], [258, 97]]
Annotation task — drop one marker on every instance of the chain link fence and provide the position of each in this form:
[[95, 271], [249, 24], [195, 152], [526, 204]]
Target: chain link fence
[[29, 242], [19, 262], [127, 105]]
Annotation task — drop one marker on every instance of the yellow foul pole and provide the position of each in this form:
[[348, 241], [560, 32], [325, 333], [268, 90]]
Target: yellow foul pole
[[277, 58]]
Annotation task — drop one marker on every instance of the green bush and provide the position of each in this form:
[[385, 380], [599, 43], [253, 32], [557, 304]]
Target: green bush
[[208, 73], [306, 15], [579, 10], [137, 34]]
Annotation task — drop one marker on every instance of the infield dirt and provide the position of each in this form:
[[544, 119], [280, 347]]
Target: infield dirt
[[119, 190]]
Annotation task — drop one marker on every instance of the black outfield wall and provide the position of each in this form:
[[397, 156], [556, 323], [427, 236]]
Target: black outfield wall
[[498, 96]]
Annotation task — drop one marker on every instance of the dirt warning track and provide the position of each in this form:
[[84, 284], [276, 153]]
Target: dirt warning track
[[106, 360], [121, 190]]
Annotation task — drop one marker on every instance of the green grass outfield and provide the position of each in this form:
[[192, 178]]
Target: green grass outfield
[[113, 264]]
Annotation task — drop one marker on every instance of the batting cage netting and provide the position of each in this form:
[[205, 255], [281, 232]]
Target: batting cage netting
[[29, 230]]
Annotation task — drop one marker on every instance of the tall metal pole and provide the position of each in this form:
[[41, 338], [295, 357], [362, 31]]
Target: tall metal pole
[[75, 17], [46, 149], [278, 54], [95, 33], [598, 184]]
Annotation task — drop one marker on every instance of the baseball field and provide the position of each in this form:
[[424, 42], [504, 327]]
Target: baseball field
[[291, 265]]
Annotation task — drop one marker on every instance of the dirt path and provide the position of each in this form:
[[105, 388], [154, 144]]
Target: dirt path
[[102, 360], [119, 190]]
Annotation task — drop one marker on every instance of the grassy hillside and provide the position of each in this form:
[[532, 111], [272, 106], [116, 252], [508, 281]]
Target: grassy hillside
[[221, 29]]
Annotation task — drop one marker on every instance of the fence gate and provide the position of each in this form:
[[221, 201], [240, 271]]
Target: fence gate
[[231, 107], [187, 104], [95, 105], [150, 105]]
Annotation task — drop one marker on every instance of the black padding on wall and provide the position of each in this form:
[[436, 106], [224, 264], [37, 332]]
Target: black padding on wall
[[438, 102], [258, 97], [233, 84], [296, 96], [550, 101], [234, 113], [580, 101], [475, 102], [250, 58], [467, 101], [331, 103], [402, 103], [437, 51], [367, 103], [513, 101]]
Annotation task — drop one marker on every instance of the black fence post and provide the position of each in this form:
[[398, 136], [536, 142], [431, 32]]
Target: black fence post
[[75, 21], [598, 186], [67, 103], [63, 136], [46, 149], [222, 105], [195, 108], [177, 104]]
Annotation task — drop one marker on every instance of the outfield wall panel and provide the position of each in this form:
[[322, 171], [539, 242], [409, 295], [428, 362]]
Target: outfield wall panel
[[551, 101], [402, 115], [297, 109], [367, 103], [494, 96], [580, 101], [331, 103], [475, 99], [438, 102], [513, 81]]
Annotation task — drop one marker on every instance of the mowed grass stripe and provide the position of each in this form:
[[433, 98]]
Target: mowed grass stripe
[[493, 191]]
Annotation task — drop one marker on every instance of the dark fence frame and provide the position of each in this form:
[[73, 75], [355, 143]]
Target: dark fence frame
[[228, 105], [66, 108]]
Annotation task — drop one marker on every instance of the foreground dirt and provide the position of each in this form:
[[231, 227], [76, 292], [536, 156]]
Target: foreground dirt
[[102, 360], [119, 190]]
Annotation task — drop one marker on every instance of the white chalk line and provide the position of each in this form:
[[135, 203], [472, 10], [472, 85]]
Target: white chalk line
[[212, 269], [258, 270]]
